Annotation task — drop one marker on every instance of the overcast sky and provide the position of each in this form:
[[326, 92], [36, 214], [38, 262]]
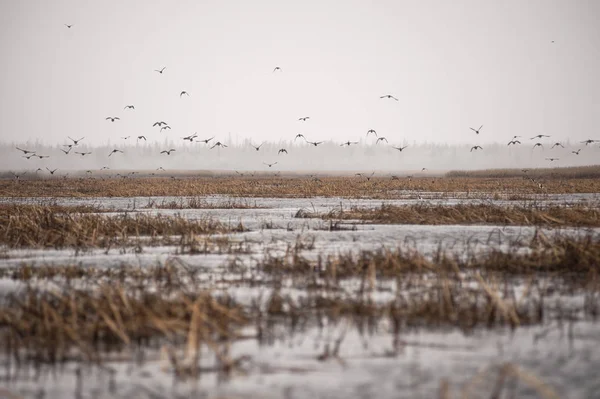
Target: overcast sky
[[451, 64]]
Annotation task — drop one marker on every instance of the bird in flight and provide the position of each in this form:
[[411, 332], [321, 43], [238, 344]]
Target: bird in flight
[[191, 137], [28, 156], [348, 143], [538, 145], [476, 130], [255, 147], [113, 118], [125, 138], [586, 142], [67, 151], [552, 159], [182, 93], [539, 136], [25, 151], [282, 150], [129, 107], [160, 168], [400, 148], [576, 152], [304, 118], [83, 154], [380, 139], [557, 144], [423, 170], [371, 131], [115, 151], [141, 137], [277, 69], [75, 142], [315, 143], [168, 152], [104, 168], [270, 164], [513, 142], [51, 171], [299, 135], [165, 127], [218, 144], [389, 96], [69, 26], [159, 124], [160, 70], [476, 147], [205, 141]]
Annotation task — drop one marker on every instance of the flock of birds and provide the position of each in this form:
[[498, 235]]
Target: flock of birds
[[164, 126]]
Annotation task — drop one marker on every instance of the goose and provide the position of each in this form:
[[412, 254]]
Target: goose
[[113, 118], [255, 147], [191, 137], [380, 139], [476, 130], [371, 131], [576, 152], [25, 151], [75, 142], [83, 154], [182, 93], [168, 152], [586, 142], [552, 159], [348, 143], [476, 147], [389, 96], [539, 136], [67, 151], [304, 118], [218, 144], [115, 151], [205, 141], [513, 142], [538, 145], [299, 135], [41, 156], [141, 137], [69, 26], [125, 137], [29, 156], [165, 128], [51, 171], [282, 150], [400, 148], [315, 143], [159, 124], [557, 144], [277, 69], [270, 164], [160, 70], [129, 107]]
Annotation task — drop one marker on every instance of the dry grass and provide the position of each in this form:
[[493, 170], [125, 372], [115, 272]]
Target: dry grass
[[272, 186], [40, 226], [200, 203], [485, 214], [575, 172]]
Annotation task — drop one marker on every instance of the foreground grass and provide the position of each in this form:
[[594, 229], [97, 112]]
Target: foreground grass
[[302, 186], [426, 214], [36, 226]]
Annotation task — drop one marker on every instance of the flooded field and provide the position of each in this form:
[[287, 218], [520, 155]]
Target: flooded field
[[241, 296]]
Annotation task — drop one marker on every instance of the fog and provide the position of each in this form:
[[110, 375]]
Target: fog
[[330, 156]]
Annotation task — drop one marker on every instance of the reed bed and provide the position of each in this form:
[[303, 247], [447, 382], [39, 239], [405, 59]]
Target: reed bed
[[36, 226], [200, 203], [574, 172], [298, 186], [485, 214]]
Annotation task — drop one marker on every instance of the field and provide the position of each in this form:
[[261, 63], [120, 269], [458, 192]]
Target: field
[[465, 284]]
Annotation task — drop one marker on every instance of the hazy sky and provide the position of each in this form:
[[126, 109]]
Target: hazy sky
[[451, 64]]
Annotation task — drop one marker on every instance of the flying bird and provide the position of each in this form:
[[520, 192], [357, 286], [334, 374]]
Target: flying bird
[[255, 147], [476, 130], [69, 26], [315, 143], [51, 171], [371, 131], [191, 137], [400, 148], [165, 127], [557, 144], [75, 142], [205, 141], [513, 142], [348, 143], [304, 118], [83, 154], [41, 156], [160, 70], [538, 145], [125, 137], [25, 151], [270, 164], [182, 93], [159, 124], [168, 152], [552, 159], [67, 151], [277, 69], [476, 147], [141, 137], [539, 136], [380, 139], [218, 144], [113, 118], [115, 151], [389, 96], [28, 156], [129, 107], [576, 152], [104, 168], [282, 150], [586, 142], [299, 135]]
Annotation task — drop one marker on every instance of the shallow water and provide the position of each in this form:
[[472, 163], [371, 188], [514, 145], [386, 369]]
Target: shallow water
[[562, 355]]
